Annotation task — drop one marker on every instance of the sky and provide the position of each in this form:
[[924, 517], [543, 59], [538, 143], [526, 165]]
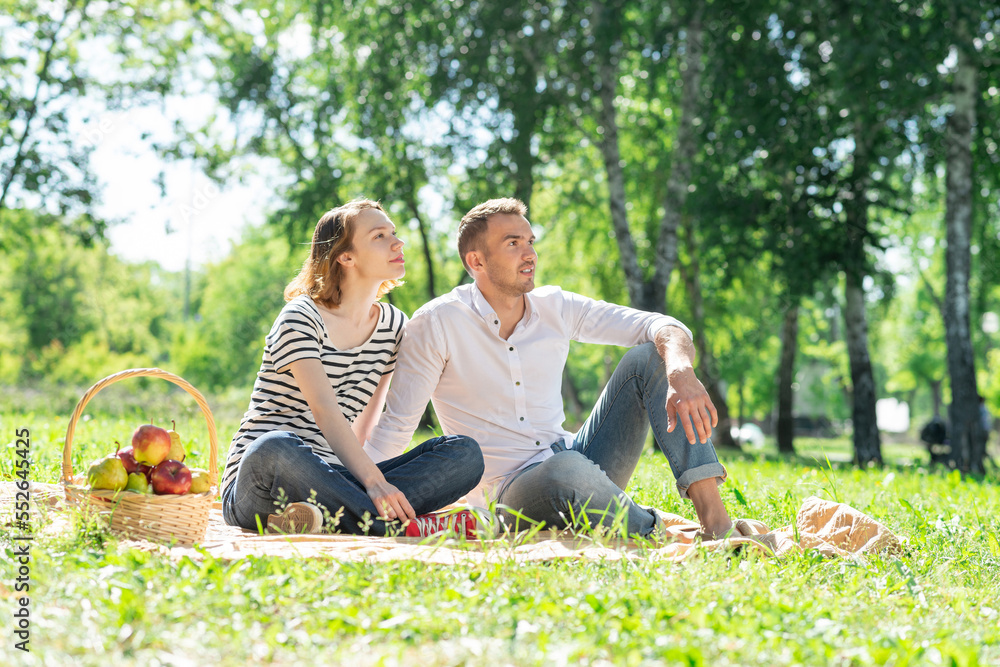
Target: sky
[[191, 219]]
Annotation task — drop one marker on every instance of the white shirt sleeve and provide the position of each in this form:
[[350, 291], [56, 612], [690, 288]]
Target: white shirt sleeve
[[420, 361], [600, 322]]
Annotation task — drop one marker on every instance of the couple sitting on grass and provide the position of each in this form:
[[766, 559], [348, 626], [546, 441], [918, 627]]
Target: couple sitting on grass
[[315, 450]]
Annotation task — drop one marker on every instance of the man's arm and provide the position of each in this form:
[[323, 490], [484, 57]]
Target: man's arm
[[419, 364], [687, 400]]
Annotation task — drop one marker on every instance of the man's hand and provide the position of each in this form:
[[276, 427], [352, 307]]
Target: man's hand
[[390, 502], [687, 400], [688, 403]]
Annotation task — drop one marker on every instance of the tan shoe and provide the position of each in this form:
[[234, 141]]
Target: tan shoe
[[296, 518]]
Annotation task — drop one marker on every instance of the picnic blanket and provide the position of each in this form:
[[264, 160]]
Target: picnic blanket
[[833, 529]]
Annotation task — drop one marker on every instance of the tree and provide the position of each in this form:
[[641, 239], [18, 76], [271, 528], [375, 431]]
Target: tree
[[41, 74], [46, 77], [968, 442]]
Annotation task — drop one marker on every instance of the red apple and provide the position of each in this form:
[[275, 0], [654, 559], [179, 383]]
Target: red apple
[[127, 456], [150, 444], [170, 477]]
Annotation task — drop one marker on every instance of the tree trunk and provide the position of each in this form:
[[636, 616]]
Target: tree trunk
[[867, 443], [525, 110], [425, 242], [608, 40], [706, 360], [571, 398], [741, 413], [965, 431], [935, 386], [43, 78], [786, 377], [681, 160]]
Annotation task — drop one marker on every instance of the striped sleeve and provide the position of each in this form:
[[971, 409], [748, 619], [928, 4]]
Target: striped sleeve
[[297, 334], [394, 327]]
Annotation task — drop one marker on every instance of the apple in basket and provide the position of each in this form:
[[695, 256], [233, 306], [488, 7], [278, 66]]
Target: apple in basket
[[170, 477], [150, 444], [127, 456]]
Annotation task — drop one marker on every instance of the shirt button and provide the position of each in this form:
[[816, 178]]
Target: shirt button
[[496, 321], [538, 442], [518, 384], [511, 349], [521, 418]]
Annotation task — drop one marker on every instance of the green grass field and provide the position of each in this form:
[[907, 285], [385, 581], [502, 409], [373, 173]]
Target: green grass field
[[93, 602]]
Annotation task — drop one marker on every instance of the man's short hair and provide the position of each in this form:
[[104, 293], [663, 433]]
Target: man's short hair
[[473, 224]]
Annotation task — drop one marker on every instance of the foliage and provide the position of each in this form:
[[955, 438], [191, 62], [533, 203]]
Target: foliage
[[811, 119], [240, 299], [78, 312], [57, 59]]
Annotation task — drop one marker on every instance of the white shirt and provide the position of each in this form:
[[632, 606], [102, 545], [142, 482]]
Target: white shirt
[[506, 394]]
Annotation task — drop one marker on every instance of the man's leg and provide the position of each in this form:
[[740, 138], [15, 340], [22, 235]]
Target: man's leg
[[615, 433], [568, 490]]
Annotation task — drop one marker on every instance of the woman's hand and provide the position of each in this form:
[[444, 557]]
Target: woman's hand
[[311, 377], [390, 502]]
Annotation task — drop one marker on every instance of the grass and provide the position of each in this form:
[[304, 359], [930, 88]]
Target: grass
[[95, 602]]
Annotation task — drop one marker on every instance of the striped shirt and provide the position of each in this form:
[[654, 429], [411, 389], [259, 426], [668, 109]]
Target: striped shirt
[[277, 404]]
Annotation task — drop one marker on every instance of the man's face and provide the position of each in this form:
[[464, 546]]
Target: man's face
[[508, 255]]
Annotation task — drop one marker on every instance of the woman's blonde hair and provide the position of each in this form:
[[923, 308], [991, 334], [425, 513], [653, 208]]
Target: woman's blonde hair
[[321, 272]]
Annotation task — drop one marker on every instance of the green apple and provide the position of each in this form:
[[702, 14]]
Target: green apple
[[176, 452], [107, 473], [137, 482], [201, 481]]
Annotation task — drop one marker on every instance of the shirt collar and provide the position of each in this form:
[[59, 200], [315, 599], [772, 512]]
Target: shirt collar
[[485, 310]]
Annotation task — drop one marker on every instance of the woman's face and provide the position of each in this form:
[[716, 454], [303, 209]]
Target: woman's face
[[376, 251]]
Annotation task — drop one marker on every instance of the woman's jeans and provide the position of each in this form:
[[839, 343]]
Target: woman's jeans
[[279, 468], [583, 485]]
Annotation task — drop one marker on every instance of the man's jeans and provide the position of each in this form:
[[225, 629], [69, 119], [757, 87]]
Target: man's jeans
[[590, 476], [279, 468]]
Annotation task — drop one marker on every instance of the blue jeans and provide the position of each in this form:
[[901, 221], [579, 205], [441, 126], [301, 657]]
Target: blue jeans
[[589, 477], [279, 467]]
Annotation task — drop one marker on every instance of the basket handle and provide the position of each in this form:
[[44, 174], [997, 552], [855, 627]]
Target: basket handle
[[213, 457]]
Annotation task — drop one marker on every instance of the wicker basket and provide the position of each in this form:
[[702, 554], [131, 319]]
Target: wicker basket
[[172, 518]]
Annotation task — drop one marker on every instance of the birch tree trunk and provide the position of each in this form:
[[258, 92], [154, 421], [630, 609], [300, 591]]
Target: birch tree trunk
[[968, 442], [681, 160], [785, 430], [707, 366], [609, 47], [867, 442]]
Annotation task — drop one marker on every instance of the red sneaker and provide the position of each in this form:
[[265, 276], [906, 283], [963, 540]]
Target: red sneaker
[[462, 522]]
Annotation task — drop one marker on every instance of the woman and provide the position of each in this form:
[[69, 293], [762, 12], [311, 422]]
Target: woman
[[297, 458]]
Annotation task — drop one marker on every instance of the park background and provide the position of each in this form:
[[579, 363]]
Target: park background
[[811, 186]]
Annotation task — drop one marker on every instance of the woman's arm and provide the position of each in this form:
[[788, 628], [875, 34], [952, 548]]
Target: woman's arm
[[315, 386], [364, 423]]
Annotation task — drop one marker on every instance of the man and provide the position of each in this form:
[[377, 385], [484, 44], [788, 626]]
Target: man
[[490, 356]]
